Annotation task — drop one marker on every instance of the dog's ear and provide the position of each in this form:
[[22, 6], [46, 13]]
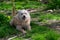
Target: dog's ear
[[17, 11], [31, 10]]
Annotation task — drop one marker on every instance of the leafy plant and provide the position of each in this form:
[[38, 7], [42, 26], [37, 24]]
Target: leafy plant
[[3, 19], [53, 4], [5, 28]]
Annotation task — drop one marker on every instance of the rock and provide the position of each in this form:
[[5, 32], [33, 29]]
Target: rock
[[49, 10]]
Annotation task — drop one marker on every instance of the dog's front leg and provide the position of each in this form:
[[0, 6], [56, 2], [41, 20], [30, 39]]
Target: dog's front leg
[[18, 27], [28, 27]]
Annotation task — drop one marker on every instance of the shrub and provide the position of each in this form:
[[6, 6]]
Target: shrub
[[5, 28], [53, 4], [3, 19]]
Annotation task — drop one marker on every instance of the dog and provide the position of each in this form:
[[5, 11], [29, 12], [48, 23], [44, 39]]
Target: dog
[[22, 21]]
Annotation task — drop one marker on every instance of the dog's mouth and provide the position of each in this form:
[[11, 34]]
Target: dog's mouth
[[23, 17]]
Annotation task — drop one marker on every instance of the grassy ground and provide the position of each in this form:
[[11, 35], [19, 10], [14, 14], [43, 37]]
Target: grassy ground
[[19, 5], [40, 33], [37, 32]]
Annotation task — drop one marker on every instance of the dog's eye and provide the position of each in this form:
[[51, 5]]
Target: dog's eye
[[21, 13]]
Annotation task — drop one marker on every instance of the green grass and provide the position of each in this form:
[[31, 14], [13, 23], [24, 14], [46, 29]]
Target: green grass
[[40, 33], [43, 16], [7, 30], [48, 16], [5, 6], [20, 5], [37, 32]]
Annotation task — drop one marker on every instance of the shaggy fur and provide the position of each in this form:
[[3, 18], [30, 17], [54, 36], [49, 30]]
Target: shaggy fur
[[21, 21]]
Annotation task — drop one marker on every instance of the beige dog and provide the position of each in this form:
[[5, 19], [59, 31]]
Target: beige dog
[[21, 21]]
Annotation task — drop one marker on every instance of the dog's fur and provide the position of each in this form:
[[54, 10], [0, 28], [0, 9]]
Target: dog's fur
[[21, 21]]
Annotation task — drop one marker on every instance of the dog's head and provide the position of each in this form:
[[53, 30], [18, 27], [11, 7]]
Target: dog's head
[[23, 14]]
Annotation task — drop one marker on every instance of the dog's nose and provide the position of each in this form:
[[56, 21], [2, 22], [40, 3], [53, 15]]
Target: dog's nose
[[24, 17]]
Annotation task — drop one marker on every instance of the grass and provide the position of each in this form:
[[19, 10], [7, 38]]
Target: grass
[[37, 33], [43, 16], [19, 5], [40, 33], [7, 30], [4, 6]]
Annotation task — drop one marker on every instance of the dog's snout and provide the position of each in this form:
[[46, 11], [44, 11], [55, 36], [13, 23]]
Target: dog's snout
[[24, 16]]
